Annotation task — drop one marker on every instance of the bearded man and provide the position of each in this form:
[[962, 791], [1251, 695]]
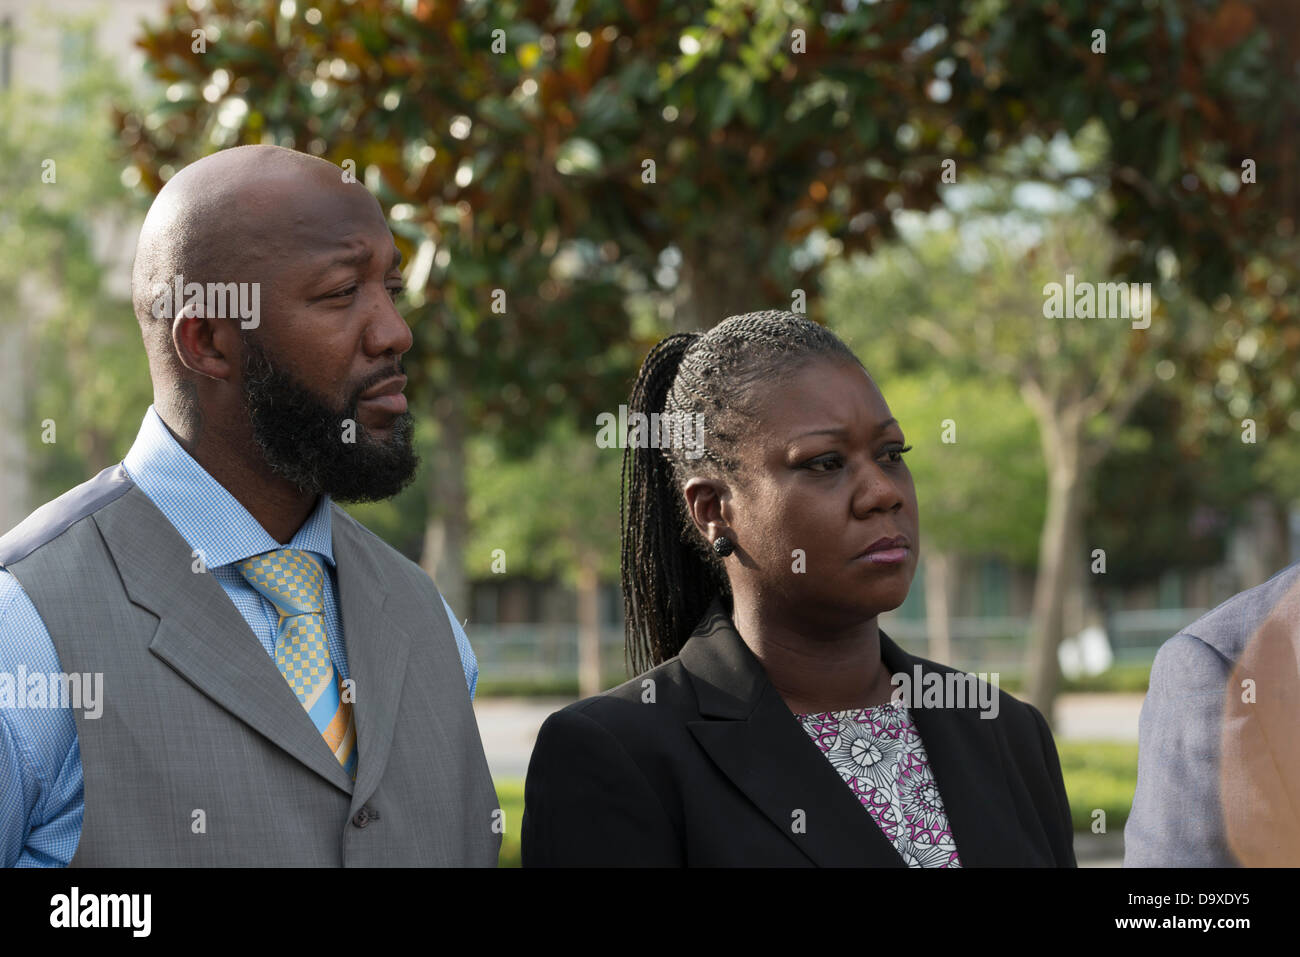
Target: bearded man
[[273, 684]]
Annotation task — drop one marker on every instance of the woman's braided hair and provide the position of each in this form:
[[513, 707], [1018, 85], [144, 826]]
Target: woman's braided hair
[[669, 574]]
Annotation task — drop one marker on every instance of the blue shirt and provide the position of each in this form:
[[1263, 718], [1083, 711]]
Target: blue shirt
[[42, 795]]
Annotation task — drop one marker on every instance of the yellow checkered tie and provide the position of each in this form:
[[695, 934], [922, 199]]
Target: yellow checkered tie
[[293, 581]]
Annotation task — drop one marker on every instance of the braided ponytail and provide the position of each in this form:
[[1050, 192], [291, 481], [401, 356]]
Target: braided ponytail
[[667, 583]]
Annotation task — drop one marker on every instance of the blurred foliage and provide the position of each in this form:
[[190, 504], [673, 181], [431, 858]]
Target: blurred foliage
[[1187, 91], [1128, 677], [1161, 502], [63, 206], [565, 689], [1244, 361], [508, 154], [507, 140], [547, 513]]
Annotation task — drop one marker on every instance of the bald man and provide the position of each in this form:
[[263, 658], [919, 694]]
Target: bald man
[[204, 661]]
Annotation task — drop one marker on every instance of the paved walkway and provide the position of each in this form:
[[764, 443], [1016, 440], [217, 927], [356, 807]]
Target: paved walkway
[[1098, 717], [508, 727]]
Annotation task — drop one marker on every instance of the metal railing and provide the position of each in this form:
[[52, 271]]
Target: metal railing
[[549, 652]]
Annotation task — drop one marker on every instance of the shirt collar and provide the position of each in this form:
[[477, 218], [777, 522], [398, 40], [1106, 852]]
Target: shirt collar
[[202, 510]]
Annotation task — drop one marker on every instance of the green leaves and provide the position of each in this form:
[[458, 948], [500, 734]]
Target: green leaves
[[758, 149], [578, 157]]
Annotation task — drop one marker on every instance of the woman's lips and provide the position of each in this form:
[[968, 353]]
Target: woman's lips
[[889, 550], [886, 556]]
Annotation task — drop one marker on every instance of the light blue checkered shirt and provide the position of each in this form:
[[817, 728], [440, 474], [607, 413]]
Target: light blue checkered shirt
[[41, 786]]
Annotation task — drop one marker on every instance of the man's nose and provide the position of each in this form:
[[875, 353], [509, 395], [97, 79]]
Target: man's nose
[[387, 331]]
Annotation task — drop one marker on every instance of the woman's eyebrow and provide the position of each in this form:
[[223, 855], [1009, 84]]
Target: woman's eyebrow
[[841, 431]]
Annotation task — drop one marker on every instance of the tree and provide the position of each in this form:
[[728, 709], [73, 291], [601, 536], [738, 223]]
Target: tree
[[1165, 498], [723, 150], [73, 374], [552, 515], [975, 295]]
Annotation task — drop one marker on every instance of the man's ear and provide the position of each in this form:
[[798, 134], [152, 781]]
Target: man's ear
[[206, 347], [708, 504]]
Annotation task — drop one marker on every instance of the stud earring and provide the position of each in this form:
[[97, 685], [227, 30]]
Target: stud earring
[[722, 546]]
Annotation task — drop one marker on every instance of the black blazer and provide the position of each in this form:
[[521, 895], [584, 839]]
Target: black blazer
[[714, 769]]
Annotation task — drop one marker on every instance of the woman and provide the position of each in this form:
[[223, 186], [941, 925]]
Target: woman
[[754, 570]]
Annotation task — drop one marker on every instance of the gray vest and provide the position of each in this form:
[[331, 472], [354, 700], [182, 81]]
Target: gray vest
[[202, 755]]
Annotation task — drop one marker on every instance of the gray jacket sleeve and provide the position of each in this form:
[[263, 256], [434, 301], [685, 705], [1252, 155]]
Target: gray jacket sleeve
[[1177, 816]]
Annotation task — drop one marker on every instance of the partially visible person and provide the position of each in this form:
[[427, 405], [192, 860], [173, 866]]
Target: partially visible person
[[273, 685], [766, 729], [1218, 755]]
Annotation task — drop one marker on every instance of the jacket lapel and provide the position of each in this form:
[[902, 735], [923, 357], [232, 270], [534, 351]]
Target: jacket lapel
[[750, 734], [378, 648], [202, 636], [967, 763]]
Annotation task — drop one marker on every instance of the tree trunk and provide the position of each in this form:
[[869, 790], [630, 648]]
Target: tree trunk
[[1268, 522], [15, 482], [589, 675], [718, 277], [1057, 575], [938, 605], [1078, 610], [446, 533]]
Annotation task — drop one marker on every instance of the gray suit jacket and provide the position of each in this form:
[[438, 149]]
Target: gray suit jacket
[[203, 755], [1218, 768]]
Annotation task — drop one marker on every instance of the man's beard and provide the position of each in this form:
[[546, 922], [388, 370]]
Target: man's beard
[[302, 438]]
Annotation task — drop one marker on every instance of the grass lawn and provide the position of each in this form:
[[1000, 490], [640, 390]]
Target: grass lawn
[[510, 792], [1098, 775]]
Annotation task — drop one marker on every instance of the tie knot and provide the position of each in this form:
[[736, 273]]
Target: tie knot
[[290, 578]]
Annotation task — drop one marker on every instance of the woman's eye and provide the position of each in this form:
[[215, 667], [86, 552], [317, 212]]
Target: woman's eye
[[895, 453], [343, 292], [825, 463]]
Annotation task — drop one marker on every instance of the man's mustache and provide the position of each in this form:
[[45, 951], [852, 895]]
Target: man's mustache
[[374, 380]]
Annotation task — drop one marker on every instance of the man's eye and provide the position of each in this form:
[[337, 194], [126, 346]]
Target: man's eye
[[343, 292], [395, 291]]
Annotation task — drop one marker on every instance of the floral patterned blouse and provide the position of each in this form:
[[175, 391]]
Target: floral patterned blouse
[[879, 754]]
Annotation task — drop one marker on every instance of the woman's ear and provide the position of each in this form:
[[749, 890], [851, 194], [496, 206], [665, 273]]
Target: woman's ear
[[705, 502]]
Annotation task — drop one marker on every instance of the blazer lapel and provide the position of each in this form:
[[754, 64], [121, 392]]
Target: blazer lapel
[[967, 764], [751, 735], [377, 646], [203, 637]]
